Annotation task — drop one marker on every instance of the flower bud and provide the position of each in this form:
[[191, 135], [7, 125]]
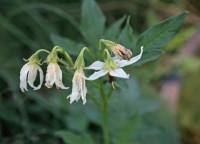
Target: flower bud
[[119, 51]]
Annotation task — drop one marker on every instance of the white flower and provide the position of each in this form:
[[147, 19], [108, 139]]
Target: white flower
[[28, 74], [115, 71], [79, 89], [54, 75]]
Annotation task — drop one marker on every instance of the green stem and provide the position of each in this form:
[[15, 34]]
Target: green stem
[[105, 115], [42, 50], [65, 54], [67, 57]]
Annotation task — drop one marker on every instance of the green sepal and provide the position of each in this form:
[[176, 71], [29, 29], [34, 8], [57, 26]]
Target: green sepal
[[109, 63], [80, 63], [107, 43], [34, 59]]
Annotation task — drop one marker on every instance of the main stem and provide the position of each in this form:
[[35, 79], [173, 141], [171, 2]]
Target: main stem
[[105, 116]]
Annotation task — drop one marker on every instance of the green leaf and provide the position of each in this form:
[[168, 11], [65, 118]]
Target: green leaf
[[81, 123], [149, 56], [113, 31], [127, 130], [180, 39], [157, 36], [69, 45], [72, 138], [139, 116], [127, 37], [92, 22], [121, 102]]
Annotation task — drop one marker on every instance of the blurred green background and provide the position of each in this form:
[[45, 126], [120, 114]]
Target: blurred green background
[[167, 110]]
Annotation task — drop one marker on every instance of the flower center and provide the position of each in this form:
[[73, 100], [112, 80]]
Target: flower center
[[110, 64]]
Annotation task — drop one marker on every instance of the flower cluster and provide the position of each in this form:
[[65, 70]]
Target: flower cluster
[[112, 66]]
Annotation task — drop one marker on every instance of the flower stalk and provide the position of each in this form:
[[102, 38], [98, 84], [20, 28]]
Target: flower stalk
[[105, 114], [65, 54]]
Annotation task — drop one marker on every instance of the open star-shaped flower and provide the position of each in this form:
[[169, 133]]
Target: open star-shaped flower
[[112, 66]]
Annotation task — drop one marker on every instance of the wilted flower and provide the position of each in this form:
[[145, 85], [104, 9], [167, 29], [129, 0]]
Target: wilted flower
[[28, 75], [120, 51], [54, 73], [79, 89], [112, 66]]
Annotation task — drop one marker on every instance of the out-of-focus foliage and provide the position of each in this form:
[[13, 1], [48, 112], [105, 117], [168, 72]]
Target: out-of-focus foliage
[[136, 114], [180, 39], [190, 101]]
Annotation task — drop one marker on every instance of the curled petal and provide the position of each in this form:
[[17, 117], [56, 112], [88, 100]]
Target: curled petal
[[73, 97], [84, 92], [97, 65], [41, 77], [79, 89], [50, 76], [32, 76], [54, 75], [60, 85], [97, 75], [119, 73], [122, 63], [23, 77], [58, 81]]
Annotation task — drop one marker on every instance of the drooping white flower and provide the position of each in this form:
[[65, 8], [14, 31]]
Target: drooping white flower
[[28, 75], [54, 76], [112, 67], [79, 89]]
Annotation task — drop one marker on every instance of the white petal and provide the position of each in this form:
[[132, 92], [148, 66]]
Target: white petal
[[122, 63], [60, 85], [50, 75], [32, 75], [84, 92], [97, 75], [73, 97], [97, 65], [79, 89], [23, 77], [58, 76], [41, 77], [119, 73]]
